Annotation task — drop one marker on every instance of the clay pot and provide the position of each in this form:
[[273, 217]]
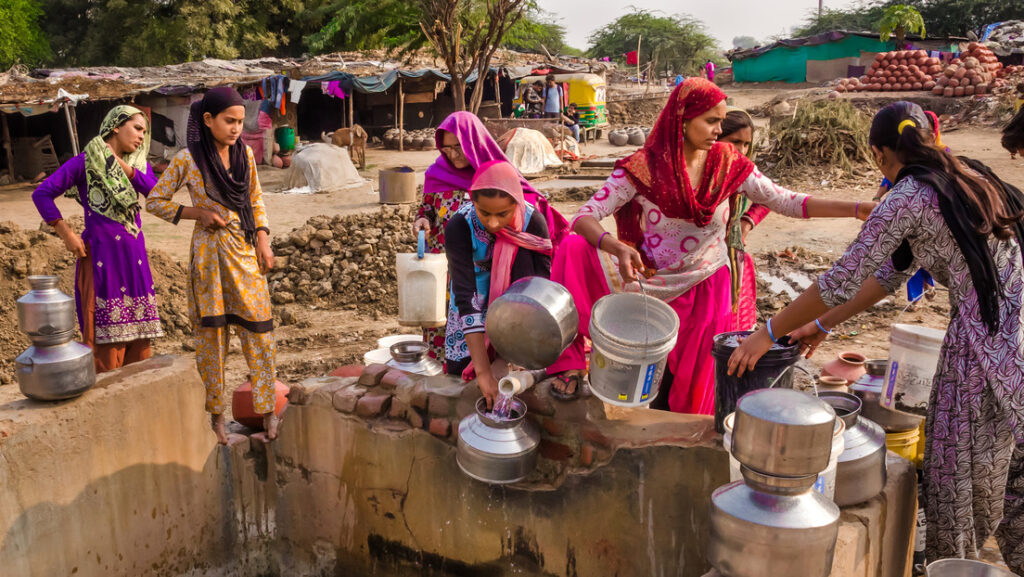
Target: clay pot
[[241, 404], [832, 384], [618, 138], [637, 137], [848, 366]]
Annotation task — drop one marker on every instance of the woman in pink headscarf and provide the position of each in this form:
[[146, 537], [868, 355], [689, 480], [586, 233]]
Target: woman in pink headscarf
[[465, 146], [493, 241]]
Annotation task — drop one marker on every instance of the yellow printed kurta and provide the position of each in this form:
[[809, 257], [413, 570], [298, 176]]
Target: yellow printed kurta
[[226, 285]]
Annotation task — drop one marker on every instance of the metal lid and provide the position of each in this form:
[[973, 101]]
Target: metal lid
[[783, 432]]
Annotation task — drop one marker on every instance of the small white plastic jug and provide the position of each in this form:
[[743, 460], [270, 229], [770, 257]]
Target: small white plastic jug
[[422, 282], [913, 360]]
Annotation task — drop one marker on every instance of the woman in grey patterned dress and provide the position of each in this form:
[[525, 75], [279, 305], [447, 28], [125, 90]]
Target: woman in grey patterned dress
[[940, 210]]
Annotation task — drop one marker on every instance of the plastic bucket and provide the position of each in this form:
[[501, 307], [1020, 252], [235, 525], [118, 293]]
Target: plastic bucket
[[285, 137], [729, 389], [920, 446], [904, 444], [628, 356], [397, 185], [826, 483], [913, 358]]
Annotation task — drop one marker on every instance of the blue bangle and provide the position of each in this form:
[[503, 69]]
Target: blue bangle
[[821, 328], [771, 335]]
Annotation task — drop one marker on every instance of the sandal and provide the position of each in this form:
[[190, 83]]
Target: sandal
[[567, 379]]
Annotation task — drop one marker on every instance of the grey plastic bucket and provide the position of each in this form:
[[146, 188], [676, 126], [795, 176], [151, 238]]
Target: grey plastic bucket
[[627, 360]]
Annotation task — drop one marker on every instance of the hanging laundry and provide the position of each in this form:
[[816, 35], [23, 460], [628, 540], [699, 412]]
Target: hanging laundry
[[334, 89], [295, 88]]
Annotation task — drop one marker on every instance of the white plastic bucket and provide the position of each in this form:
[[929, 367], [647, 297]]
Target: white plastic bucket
[[386, 342], [627, 359], [913, 359], [826, 483], [422, 287], [377, 357]]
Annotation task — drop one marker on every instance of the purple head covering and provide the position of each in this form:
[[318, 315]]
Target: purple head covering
[[480, 148]]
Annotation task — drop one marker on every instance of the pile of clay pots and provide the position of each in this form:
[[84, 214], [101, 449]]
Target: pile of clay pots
[[411, 140], [898, 71], [630, 135], [977, 71]]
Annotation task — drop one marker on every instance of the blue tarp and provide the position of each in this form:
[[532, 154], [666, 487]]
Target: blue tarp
[[383, 82]]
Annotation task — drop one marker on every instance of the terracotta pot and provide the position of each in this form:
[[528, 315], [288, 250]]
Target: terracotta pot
[[241, 404], [848, 366], [828, 383]]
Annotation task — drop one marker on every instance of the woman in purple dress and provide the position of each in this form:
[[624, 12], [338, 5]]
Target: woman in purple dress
[[955, 218], [114, 292]]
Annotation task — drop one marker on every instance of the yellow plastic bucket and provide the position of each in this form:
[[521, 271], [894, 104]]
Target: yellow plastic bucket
[[904, 444], [920, 446]]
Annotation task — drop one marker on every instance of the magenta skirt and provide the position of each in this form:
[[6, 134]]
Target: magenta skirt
[[704, 311]]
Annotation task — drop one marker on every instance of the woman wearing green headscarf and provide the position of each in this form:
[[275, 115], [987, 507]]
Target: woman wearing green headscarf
[[114, 291]]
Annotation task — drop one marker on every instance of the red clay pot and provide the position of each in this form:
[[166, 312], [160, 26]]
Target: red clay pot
[[241, 404], [847, 365]]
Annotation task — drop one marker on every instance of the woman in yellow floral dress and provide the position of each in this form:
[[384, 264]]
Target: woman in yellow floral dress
[[230, 253]]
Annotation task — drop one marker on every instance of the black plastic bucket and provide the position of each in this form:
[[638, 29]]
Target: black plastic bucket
[[729, 389]]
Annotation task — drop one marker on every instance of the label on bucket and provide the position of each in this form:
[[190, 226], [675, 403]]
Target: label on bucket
[[645, 381], [894, 369]]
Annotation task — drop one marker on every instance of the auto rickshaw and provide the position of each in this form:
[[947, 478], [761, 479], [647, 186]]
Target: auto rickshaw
[[586, 90]]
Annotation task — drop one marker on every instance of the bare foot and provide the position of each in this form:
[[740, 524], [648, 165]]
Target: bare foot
[[217, 423], [270, 424], [567, 385]]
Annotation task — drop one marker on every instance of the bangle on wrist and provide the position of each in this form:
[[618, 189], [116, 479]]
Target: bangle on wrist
[[597, 245], [771, 334], [821, 328]]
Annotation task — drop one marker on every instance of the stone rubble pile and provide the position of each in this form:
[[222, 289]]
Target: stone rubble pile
[[346, 261]]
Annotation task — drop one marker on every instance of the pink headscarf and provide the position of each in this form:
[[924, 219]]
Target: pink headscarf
[[480, 149], [501, 175]]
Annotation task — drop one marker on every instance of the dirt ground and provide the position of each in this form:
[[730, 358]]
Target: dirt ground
[[314, 339]]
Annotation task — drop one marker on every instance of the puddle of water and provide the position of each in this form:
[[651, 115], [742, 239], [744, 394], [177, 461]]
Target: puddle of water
[[799, 278]]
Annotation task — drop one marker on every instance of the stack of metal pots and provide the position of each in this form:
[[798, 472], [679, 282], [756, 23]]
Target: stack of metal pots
[[771, 522], [55, 367], [860, 473]]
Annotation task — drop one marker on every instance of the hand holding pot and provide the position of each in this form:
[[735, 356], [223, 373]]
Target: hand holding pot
[[745, 357], [488, 387]]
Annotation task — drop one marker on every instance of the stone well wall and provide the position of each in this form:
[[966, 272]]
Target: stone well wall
[[127, 480]]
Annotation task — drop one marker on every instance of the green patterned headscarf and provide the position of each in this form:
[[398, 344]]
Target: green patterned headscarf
[[110, 192]]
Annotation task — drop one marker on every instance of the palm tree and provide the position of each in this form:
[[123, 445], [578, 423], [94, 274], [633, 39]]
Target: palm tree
[[899, 19]]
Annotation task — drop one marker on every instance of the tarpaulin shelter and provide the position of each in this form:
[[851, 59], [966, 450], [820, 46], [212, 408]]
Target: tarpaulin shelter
[[820, 58]]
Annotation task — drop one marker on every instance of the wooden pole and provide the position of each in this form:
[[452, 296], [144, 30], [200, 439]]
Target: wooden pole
[[497, 93], [8, 150], [351, 108], [638, 39], [71, 129], [401, 116]]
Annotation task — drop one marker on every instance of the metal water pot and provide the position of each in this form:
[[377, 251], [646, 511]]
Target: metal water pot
[[860, 474], [411, 357], [868, 389], [497, 451], [54, 373], [783, 432], [532, 322], [767, 525], [46, 314]]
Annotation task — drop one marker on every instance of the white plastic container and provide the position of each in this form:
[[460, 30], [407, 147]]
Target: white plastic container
[[377, 357], [913, 360], [422, 281], [386, 342], [826, 483]]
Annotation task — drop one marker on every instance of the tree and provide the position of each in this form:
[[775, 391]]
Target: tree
[[678, 42], [744, 42], [899, 19], [538, 32], [21, 38], [863, 18], [465, 34], [368, 24], [957, 17]]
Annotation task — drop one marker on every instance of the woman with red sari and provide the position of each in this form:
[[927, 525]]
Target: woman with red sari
[[670, 201]]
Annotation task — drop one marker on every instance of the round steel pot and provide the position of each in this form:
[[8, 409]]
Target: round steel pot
[[46, 314], [532, 323], [497, 452], [55, 373], [783, 432], [964, 568], [411, 357], [760, 529], [868, 389], [860, 473]]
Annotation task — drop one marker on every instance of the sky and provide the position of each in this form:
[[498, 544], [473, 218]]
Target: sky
[[725, 19]]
